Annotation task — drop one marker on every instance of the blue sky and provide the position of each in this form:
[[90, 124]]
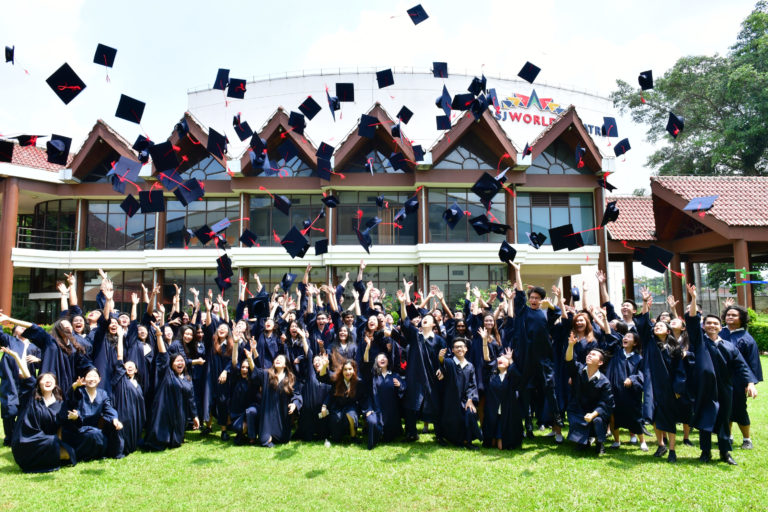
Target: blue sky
[[168, 48]]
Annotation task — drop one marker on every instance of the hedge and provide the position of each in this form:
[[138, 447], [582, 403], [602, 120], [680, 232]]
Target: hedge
[[759, 331]]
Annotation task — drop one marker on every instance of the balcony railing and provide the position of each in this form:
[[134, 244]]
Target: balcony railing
[[45, 239]]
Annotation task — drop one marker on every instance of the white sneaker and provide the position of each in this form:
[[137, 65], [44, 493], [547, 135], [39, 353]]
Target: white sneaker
[[643, 446], [633, 440], [559, 438], [615, 444], [591, 441], [327, 443]]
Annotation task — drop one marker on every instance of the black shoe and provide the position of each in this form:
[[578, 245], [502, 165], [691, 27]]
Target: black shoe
[[529, 433], [746, 445], [672, 457], [224, 435], [205, 431], [661, 451], [705, 457], [470, 446], [726, 457], [687, 442], [441, 441], [599, 448]]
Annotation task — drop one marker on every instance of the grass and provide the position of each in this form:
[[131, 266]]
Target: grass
[[207, 474]]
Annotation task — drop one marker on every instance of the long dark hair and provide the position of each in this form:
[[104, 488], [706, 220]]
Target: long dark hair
[[57, 394], [339, 387], [66, 341], [190, 349], [217, 341], [286, 386]]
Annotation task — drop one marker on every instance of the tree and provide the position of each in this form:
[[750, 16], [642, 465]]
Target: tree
[[724, 101]]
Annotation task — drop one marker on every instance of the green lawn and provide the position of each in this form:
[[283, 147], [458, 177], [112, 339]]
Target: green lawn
[[207, 475]]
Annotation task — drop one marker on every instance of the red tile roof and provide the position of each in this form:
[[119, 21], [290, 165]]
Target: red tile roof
[[35, 157], [742, 201], [635, 220]]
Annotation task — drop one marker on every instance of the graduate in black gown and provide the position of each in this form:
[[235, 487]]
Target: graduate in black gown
[[280, 399], [128, 397], [219, 346], [315, 379], [245, 398], [504, 426], [386, 391], [346, 401], [458, 420], [268, 344], [174, 401], [18, 353]]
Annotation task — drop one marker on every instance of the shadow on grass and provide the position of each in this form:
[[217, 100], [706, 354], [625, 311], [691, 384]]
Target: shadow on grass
[[286, 452], [93, 471], [201, 461], [313, 473]]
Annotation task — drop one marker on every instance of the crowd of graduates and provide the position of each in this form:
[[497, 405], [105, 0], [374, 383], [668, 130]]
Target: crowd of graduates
[[304, 366]]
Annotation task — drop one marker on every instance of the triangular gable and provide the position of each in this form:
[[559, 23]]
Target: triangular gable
[[570, 129], [353, 142], [487, 129], [192, 146], [101, 142]]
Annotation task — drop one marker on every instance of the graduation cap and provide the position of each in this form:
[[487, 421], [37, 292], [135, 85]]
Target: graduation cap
[[477, 86], [405, 114], [217, 144], [151, 201], [324, 151], [287, 281], [130, 205], [486, 188], [142, 146], [493, 99], [575, 293], [324, 168], [578, 155], [609, 128], [164, 156], [223, 283], [453, 215], [478, 106], [189, 191], [130, 109], [181, 128], [444, 101], [637, 253], [398, 161], [443, 122], [411, 205], [58, 149], [221, 225], [462, 101], [309, 107], [333, 103], [287, 150], [603, 182], [126, 169], [65, 83], [258, 305], [396, 131], [385, 78], [483, 226], [700, 204], [440, 69], [418, 153], [400, 215], [345, 92], [330, 201], [367, 126], [675, 124], [224, 266], [222, 79], [204, 234], [656, 258], [321, 247], [118, 184], [105, 55], [295, 243], [527, 150], [282, 203], [242, 129], [563, 237], [506, 253], [622, 147], [6, 151], [372, 222], [529, 72], [9, 51], [236, 88], [381, 202], [248, 238], [364, 239], [536, 240], [645, 79], [27, 140], [417, 14], [296, 121], [611, 213]]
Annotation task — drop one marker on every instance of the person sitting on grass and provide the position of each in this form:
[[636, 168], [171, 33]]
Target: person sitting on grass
[[591, 405], [459, 421], [280, 399], [346, 401]]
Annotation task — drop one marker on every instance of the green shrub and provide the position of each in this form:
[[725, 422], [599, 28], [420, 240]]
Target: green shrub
[[759, 331], [752, 315]]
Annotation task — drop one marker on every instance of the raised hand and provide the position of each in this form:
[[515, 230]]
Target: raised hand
[[727, 302], [691, 290], [70, 278], [600, 276], [400, 296], [134, 298], [62, 288]]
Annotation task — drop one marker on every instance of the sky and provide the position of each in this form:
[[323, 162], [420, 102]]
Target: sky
[[166, 49]]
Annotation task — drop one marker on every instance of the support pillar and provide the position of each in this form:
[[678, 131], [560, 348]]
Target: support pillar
[[629, 280], [10, 212], [677, 283], [567, 289], [741, 260]]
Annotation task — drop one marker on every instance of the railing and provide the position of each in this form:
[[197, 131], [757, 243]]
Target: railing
[[45, 239]]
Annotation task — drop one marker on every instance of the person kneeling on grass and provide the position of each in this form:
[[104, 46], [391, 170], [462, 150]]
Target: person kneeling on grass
[[591, 405], [459, 412]]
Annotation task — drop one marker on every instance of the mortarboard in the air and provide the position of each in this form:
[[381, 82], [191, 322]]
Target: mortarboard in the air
[[295, 243], [170, 179], [400, 215], [27, 140], [656, 258], [9, 51], [324, 151], [700, 204], [189, 191], [507, 252], [364, 239], [478, 106], [536, 240], [242, 129], [248, 238], [405, 114], [130, 205], [142, 146], [257, 143], [384, 78], [637, 253], [675, 124], [493, 99], [321, 246], [440, 69], [297, 122], [324, 168], [477, 86], [372, 222], [65, 83], [418, 153], [333, 103], [527, 150], [396, 131], [58, 149], [222, 79], [609, 128], [483, 226], [578, 155], [258, 306], [236, 88], [151, 201], [462, 101], [345, 91], [164, 156], [6, 150], [287, 150], [224, 266], [563, 237], [287, 281], [381, 202], [417, 14], [611, 213], [367, 126], [204, 234], [603, 182], [126, 169], [181, 128], [105, 55], [529, 72], [217, 143], [645, 79], [330, 201], [444, 101], [486, 188], [411, 205], [443, 122], [575, 293], [622, 147], [118, 184], [309, 107], [453, 215], [282, 203], [130, 109], [398, 161], [223, 282]]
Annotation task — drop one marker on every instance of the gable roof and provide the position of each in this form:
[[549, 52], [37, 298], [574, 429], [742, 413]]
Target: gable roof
[[570, 128], [489, 129], [635, 221], [99, 143]]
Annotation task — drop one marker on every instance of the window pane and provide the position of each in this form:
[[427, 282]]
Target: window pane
[[580, 199], [559, 216]]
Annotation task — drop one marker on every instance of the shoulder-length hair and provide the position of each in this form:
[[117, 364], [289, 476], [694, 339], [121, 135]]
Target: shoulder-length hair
[[229, 340], [588, 332], [339, 386], [66, 341], [57, 394], [284, 386]]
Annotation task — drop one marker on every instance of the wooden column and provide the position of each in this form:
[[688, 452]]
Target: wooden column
[[82, 224], [690, 276], [160, 229], [567, 289], [511, 217], [423, 221], [677, 284], [10, 212], [741, 260], [629, 280], [599, 210]]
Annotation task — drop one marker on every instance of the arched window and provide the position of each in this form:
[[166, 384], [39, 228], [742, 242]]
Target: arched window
[[558, 158]]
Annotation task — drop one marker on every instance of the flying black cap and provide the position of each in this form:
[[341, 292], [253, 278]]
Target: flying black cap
[[236, 88], [217, 143], [324, 168], [9, 51], [130, 109], [700, 204], [405, 114], [204, 234], [105, 55], [151, 201], [221, 225], [609, 128], [417, 14], [65, 83], [656, 258], [381, 202], [189, 191], [321, 246], [575, 293], [462, 101], [259, 305], [164, 156], [333, 103], [58, 149], [282, 203], [287, 281], [645, 79], [440, 69], [118, 184], [675, 124], [529, 72], [507, 252], [248, 238], [142, 146], [181, 128], [563, 237], [411, 205], [242, 129], [309, 107], [126, 170], [130, 205], [443, 122], [486, 188], [453, 215], [444, 101], [6, 150], [372, 222], [536, 240], [297, 122], [398, 161], [483, 226], [477, 86], [622, 147], [222, 79], [287, 150], [611, 213], [578, 155], [364, 239], [295, 243], [330, 201], [223, 282], [324, 151], [367, 126], [345, 92], [396, 131], [27, 140], [493, 99], [603, 182], [418, 153], [224, 266], [385, 78]]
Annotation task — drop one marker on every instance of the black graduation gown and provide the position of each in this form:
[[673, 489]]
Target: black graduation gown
[[244, 405], [217, 363], [174, 404], [268, 348], [104, 354], [85, 434], [747, 346], [65, 367], [459, 425], [128, 400], [10, 382], [423, 363], [274, 421], [340, 407], [135, 351], [507, 425], [36, 447], [588, 395], [628, 401], [313, 394]]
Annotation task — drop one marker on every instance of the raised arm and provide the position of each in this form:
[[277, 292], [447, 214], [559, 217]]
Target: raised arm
[[604, 297], [72, 284], [63, 296], [134, 305], [20, 362], [584, 299], [518, 276], [14, 321]]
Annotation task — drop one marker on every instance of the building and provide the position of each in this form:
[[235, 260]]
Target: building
[[61, 218]]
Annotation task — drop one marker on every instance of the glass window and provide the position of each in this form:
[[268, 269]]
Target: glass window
[[52, 226], [542, 211], [470, 153], [201, 213], [201, 279], [442, 199], [266, 220], [109, 228], [125, 284], [452, 279], [388, 232], [375, 152], [558, 158], [207, 169]]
